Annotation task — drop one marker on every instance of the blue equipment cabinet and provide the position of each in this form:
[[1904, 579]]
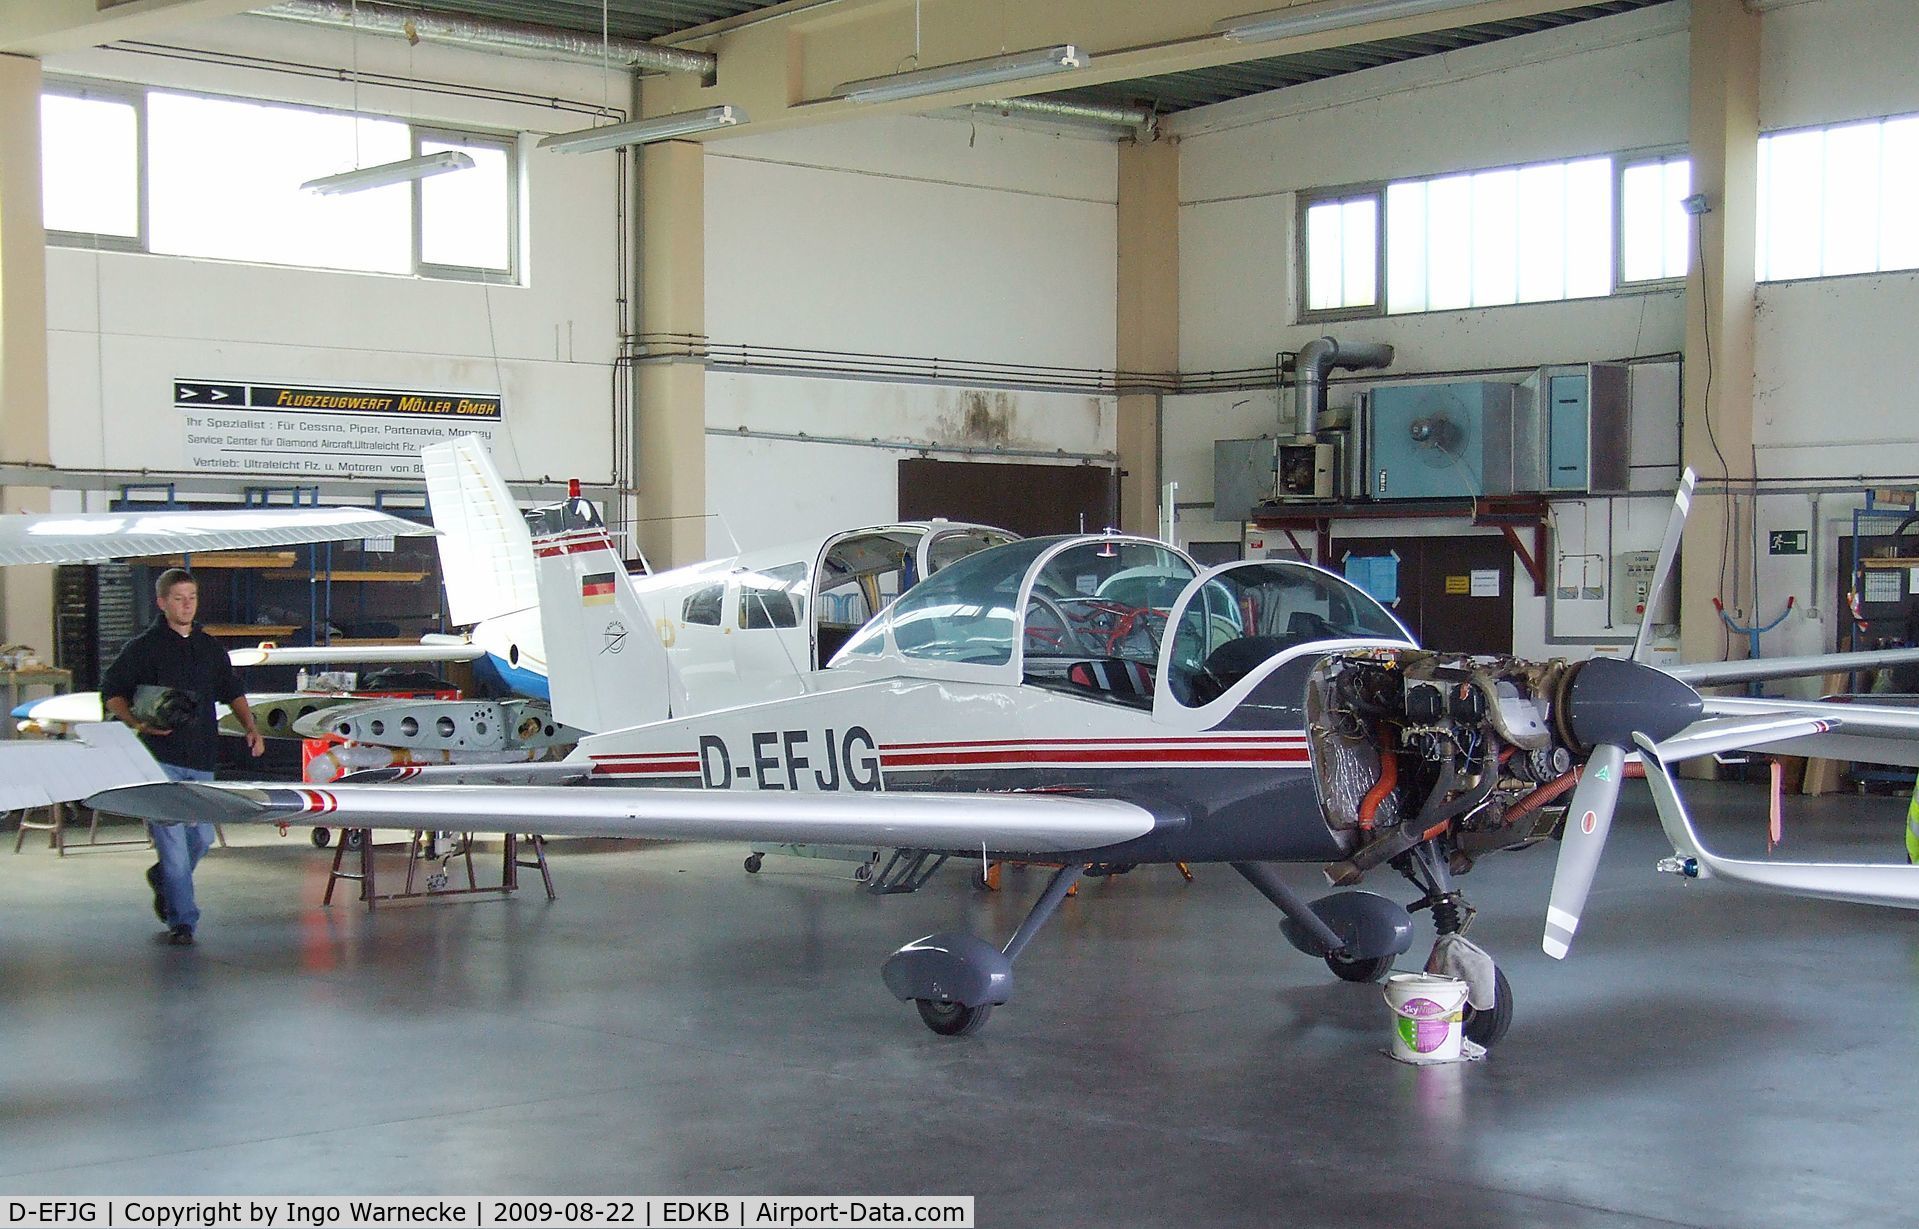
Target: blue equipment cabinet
[[1443, 441]]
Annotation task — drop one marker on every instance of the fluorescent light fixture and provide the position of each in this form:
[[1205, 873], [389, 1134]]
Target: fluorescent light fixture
[[967, 73], [640, 131], [388, 173], [1325, 15]]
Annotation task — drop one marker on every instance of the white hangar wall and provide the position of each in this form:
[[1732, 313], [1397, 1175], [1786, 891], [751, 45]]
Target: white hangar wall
[[1836, 369], [122, 327], [1606, 86], [922, 238]]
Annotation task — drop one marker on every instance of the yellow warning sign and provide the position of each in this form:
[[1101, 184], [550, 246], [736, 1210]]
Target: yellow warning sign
[[1459, 585]]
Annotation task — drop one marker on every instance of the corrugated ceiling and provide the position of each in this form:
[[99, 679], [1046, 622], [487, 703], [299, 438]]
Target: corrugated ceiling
[[1173, 92]]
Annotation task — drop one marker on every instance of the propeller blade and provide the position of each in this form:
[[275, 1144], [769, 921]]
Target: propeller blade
[[1662, 571], [1588, 819]]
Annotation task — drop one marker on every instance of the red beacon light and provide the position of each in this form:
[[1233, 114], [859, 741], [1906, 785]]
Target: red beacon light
[[572, 488]]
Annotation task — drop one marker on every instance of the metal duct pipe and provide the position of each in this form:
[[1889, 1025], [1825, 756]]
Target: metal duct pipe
[[511, 37], [1142, 121], [1321, 355]]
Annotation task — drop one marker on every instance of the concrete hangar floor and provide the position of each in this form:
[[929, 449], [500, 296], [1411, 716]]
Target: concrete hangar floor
[[674, 1026]]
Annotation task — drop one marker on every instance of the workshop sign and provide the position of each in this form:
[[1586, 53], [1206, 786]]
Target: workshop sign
[[323, 431]]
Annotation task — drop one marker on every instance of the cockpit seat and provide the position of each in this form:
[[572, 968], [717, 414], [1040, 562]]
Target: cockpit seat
[[1119, 677]]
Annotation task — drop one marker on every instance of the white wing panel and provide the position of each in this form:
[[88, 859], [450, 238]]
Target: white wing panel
[[1023, 823], [1714, 673], [486, 553], [323, 655], [34, 773], [94, 536]]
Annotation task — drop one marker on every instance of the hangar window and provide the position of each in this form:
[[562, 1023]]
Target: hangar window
[[1530, 234], [1340, 253], [154, 171], [90, 158], [1653, 229], [1838, 200]]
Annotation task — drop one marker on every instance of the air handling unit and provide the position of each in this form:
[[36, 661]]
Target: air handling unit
[[1442, 441], [1580, 418]]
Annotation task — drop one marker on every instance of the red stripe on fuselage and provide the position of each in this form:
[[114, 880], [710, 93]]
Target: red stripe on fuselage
[[1112, 758]]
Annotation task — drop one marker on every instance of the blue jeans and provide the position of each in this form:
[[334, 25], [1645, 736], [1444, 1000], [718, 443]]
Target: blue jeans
[[180, 848]]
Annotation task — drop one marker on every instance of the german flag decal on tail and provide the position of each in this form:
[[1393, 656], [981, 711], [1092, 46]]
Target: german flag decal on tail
[[596, 589]]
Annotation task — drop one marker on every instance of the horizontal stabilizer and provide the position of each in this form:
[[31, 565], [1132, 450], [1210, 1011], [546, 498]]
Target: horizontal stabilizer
[[1003, 823], [103, 756]]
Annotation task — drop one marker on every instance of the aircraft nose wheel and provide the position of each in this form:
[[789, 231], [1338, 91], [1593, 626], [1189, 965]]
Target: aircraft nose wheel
[[953, 1019], [1485, 1028]]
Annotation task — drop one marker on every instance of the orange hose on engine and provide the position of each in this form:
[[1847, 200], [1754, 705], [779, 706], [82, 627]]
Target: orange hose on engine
[[1388, 779]]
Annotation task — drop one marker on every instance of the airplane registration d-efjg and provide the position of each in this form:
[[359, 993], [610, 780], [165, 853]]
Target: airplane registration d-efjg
[[1100, 702]]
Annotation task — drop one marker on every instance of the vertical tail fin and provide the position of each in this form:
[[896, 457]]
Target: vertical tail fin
[[605, 666], [486, 552]]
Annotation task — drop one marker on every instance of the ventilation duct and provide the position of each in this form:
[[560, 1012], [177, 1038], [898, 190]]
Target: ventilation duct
[[1315, 359]]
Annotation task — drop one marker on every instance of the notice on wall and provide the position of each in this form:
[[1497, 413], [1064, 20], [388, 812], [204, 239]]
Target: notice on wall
[[319, 431], [1485, 582], [1378, 575]]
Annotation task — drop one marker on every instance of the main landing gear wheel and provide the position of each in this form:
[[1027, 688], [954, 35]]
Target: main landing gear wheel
[[953, 1019], [753, 863], [1359, 970], [1487, 1027]]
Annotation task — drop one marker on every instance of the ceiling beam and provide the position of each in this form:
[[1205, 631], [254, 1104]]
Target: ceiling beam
[[44, 27], [784, 66]]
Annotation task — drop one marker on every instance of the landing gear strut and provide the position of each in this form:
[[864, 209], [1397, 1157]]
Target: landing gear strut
[[956, 979], [1426, 867]]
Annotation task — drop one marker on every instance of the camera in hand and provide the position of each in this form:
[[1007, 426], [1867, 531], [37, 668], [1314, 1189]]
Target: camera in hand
[[164, 708]]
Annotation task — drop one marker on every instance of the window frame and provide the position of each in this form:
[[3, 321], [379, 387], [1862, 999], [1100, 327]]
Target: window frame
[[116, 91], [1622, 162], [136, 93], [1304, 201], [1760, 212], [507, 143]]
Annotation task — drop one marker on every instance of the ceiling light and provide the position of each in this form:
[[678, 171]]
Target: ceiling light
[[640, 131], [1321, 16], [967, 73], [388, 173]]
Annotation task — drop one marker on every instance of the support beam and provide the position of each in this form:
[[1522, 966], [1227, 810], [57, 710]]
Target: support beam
[[45, 27], [1146, 317], [26, 593], [784, 67], [671, 403], [1718, 390]]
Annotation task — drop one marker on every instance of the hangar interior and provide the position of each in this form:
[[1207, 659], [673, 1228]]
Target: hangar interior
[[1442, 296]]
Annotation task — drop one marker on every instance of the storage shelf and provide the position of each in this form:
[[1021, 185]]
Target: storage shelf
[[342, 574], [262, 631], [223, 559]]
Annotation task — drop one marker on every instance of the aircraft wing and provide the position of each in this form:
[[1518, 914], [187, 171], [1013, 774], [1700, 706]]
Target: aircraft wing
[[1858, 882], [35, 772], [346, 654], [89, 537], [1866, 733], [1751, 670], [1004, 823], [536, 772]]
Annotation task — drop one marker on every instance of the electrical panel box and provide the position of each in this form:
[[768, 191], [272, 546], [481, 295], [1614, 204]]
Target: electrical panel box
[[1577, 424], [1440, 441], [1247, 473], [1632, 575]]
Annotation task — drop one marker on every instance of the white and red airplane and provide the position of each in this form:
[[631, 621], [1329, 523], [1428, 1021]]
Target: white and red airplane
[[1101, 702]]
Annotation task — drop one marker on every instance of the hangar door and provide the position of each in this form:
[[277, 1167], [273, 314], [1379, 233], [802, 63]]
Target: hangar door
[[1454, 593], [1030, 500]]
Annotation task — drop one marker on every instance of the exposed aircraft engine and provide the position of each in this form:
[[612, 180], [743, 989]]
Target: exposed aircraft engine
[[1407, 744]]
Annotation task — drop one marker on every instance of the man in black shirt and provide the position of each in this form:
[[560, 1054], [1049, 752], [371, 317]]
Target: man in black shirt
[[174, 653]]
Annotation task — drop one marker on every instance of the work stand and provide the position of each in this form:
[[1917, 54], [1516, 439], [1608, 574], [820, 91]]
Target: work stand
[[421, 848], [55, 826]]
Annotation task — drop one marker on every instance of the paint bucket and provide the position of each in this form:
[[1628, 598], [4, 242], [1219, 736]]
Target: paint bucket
[[1428, 1015]]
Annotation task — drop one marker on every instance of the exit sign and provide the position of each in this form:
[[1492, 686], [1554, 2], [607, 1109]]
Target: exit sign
[[1786, 542]]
